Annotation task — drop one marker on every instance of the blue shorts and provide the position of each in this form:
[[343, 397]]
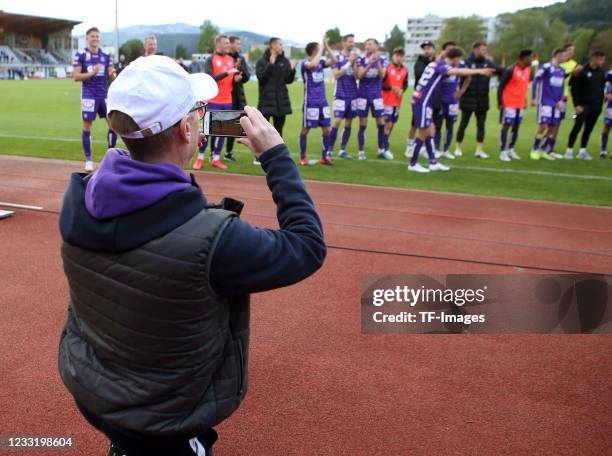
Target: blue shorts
[[92, 106], [375, 105], [345, 108], [423, 115], [511, 116], [548, 115], [316, 116], [392, 113], [450, 111], [608, 117]]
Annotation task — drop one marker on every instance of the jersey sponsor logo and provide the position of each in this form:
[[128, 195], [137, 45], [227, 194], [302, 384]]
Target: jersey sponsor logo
[[326, 112], [388, 110], [378, 103], [609, 113], [510, 112], [556, 81], [339, 105], [354, 104], [317, 76], [361, 103], [546, 111], [88, 105], [453, 109]]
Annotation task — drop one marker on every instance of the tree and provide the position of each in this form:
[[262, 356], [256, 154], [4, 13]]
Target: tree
[[180, 52], [132, 49], [603, 42], [334, 35], [298, 53], [255, 54], [396, 38], [464, 31], [208, 33], [528, 30], [581, 39]]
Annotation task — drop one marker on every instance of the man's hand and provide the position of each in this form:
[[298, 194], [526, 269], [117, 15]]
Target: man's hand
[[112, 72], [398, 91], [578, 109], [233, 71], [261, 135], [534, 102], [294, 63], [352, 58], [238, 77], [487, 71]]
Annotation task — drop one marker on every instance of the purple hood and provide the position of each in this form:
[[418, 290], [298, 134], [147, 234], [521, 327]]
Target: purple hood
[[121, 185]]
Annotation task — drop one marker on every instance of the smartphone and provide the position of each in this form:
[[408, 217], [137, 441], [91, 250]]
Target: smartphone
[[224, 123]]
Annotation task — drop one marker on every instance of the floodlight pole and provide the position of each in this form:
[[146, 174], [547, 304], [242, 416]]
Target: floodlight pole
[[116, 35]]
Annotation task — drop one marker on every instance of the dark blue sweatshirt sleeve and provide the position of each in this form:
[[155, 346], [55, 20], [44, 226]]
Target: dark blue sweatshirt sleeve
[[248, 259]]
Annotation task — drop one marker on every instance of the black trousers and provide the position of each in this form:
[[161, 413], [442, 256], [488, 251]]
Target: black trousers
[[588, 117], [125, 443], [481, 118], [278, 122]]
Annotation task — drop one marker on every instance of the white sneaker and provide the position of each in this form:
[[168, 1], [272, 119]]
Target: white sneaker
[[569, 154], [481, 154], [437, 153], [256, 162], [513, 155], [438, 167], [503, 156], [418, 168], [386, 154], [583, 154], [89, 166], [362, 155], [458, 152], [556, 155], [447, 154]]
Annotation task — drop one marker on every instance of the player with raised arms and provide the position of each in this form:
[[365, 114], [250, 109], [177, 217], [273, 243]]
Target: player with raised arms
[[370, 73], [94, 69], [315, 109], [345, 94]]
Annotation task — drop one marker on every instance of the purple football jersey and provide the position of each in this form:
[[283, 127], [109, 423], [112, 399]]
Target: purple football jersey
[[548, 84], [346, 86], [430, 81], [370, 85], [314, 84], [449, 87], [97, 86]]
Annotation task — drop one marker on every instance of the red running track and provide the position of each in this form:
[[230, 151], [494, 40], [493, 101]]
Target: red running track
[[317, 385]]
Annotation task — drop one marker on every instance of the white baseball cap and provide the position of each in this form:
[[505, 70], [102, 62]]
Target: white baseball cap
[[156, 92]]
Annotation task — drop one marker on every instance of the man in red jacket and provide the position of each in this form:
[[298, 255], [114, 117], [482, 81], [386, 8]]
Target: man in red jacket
[[222, 67]]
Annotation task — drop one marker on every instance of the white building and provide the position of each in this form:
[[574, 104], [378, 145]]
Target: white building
[[421, 29]]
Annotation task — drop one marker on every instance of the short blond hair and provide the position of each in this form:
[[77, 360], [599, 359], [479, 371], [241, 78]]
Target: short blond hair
[[150, 37]]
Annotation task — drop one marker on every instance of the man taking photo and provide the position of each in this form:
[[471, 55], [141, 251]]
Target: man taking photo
[[155, 346]]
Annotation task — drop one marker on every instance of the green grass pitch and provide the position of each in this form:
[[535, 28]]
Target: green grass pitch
[[41, 118]]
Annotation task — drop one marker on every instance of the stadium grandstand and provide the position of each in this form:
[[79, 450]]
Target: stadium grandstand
[[33, 46]]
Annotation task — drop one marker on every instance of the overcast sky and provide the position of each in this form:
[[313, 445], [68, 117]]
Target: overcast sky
[[302, 20]]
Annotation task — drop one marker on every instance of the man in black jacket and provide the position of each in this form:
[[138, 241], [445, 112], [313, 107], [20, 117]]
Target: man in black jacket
[[428, 55], [475, 100], [155, 346], [274, 71], [238, 96], [587, 89]]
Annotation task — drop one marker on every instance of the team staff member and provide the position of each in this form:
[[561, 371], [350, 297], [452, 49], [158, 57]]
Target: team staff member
[[512, 101], [427, 56], [238, 96], [394, 85], [155, 348], [588, 96], [222, 67], [475, 100]]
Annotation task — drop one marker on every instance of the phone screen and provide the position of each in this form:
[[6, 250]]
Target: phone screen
[[225, 123]]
